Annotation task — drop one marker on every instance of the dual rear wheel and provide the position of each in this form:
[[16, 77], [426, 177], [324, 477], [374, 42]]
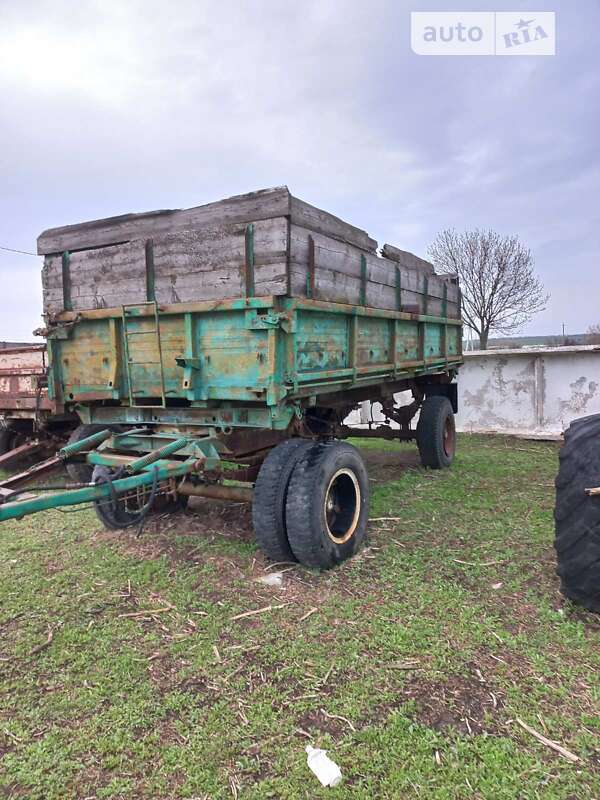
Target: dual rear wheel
[[311, 502], [311, 499]]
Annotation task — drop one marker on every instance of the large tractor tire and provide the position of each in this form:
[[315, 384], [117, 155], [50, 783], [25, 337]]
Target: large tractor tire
[[327, 504], [436, 433], [577, 514], [270, 495]]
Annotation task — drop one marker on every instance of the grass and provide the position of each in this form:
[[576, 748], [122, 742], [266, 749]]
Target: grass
[[411, 670]]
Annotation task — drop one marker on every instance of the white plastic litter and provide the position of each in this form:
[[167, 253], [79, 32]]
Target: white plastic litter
[[271, 579], [326, 770]]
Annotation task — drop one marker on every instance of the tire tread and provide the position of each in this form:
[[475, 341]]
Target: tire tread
[[577, 515]]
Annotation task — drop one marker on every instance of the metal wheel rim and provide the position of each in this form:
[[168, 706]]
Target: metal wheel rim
[[449, 437], [343, 487]]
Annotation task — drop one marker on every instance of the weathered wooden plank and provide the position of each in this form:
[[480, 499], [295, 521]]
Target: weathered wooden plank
[[218, 247], [406, 259], [221, 284], [251, 207], [195, 265], [337, 287], [201, 255], [308, 216], [345, 258], [118, 271]]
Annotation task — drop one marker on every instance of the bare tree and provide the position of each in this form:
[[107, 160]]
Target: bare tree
[[500, 289], [593, 334]]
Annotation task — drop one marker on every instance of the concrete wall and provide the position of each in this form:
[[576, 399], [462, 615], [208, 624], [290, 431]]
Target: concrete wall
[[534, 392], [527, 392]]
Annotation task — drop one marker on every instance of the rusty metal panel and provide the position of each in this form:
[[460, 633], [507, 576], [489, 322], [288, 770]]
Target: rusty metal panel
[[22, 378]]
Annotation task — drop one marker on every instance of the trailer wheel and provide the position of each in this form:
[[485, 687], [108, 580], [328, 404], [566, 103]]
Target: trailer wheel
[[327, 504], [113, 516], [5, 441], [269, 500], [436, 433], [82, 472], [577, 514], [118, 515]]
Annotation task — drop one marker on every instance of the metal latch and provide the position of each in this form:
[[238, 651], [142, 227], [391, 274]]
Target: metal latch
[[268, 321], [188, 363]]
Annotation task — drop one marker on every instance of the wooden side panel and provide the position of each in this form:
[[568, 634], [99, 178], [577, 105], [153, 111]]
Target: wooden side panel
[[307, 216], [251, 207], [406, 259], [102, 278], [207, 264], [338, 277], [201, 254], [264, 204]]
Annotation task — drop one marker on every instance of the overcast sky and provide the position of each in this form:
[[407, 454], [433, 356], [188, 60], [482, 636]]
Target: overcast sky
[[110, 107]]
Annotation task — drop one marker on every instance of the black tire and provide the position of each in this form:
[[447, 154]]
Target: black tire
[[436, 433], [113, 515], [6, 438], [270, 494], [577, 515], [116, 516], [80, 472], [327, 504]]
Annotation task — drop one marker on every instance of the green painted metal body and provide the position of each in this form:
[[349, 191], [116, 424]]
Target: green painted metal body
[[42, 502], [195, 372], [253, 362], [140, 472]]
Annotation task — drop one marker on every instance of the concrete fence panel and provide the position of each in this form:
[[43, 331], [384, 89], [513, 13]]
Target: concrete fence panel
[[525, 392], [528, 392]]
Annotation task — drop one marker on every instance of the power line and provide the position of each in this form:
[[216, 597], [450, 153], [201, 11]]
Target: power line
[[23, 252]]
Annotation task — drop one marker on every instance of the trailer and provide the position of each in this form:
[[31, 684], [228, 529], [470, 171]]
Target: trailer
[[218, 352], [28, 425]]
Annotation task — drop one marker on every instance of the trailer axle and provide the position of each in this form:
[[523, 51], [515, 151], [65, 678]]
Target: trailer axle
[[216, 491]]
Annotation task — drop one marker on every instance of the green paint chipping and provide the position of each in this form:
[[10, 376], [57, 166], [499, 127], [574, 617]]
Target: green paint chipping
[[399, 290], [451, 617], [363, 280], [150, 272], [66, 281], [251, 353], [31, 504], [249, 269]]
